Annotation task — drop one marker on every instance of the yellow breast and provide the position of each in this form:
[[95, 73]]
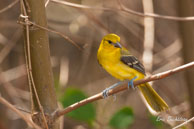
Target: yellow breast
[[110, 61]]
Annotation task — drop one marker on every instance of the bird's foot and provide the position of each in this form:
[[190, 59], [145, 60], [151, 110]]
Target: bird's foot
[[130, 83], [105, 92]]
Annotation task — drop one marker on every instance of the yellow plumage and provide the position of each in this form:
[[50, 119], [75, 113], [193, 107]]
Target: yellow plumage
[[117, 61]]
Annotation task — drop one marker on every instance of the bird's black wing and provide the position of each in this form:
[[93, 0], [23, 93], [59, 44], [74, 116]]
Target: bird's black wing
[[133, 62]]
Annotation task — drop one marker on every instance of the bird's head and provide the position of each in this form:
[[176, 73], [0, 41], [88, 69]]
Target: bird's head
[[111, 42]]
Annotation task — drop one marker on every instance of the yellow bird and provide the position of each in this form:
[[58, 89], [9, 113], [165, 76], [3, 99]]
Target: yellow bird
[[118, 62]]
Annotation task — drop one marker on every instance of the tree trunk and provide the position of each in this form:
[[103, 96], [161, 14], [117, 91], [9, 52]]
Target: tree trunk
[[40, 63], [187, 32]]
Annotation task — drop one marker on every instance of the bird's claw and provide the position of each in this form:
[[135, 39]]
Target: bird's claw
[[130, 83], [105, 92]]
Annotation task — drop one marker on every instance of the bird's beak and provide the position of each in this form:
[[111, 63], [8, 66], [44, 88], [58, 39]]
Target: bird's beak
[[117, 44]]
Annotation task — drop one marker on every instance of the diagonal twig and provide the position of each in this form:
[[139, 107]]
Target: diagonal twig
[[12, 42], [123, 87], [126, 10], [184, 123], [10, 106], [9, 6], [53, 31]]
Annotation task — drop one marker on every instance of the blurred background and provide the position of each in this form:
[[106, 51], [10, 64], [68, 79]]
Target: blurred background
[[160, 44]]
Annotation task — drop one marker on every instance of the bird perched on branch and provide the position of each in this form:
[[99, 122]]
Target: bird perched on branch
[[118, 62]]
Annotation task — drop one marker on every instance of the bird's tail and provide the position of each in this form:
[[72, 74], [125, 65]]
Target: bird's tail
[[153, 101]]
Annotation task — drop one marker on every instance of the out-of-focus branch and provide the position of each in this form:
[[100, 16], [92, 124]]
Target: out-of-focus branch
[[9, 6], [9, 46], [96, 20], [11, 90], [187, 32], [18, 71], [123, 87], [47, 2], [184, 123], [11, 107], [124, 9], [148, 35]]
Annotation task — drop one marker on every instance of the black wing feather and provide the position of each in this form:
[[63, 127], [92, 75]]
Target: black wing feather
[[133, 62]]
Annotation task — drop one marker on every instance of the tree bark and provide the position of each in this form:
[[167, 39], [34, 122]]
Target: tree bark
[[40, 63], [187, 32]]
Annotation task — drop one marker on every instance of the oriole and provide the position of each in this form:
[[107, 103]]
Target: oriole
[[118, 62]]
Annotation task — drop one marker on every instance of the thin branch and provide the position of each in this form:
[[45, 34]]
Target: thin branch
[[10, 89], [18, 71], [123, 87], [9, 6], [96, 20], [126, 10], [53, 31], [184, 123], [23, 110], [10, 106], [174, 18], [11, 43]]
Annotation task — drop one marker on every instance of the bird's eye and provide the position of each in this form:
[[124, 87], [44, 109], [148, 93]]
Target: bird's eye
[[110, 42]]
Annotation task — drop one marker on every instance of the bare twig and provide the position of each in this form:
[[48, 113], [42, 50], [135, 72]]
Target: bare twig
[[174, 18], [167, 52], [18, 71], [184, 123], [126, 10], [96, 20], [25, 118], [9, 6], [23, 110], [10, 89], [6, 50], [98, 96], [53, 31]]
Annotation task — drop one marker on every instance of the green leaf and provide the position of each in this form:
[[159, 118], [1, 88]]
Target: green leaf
[[156, 120], [122, 119], [85, 113]]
